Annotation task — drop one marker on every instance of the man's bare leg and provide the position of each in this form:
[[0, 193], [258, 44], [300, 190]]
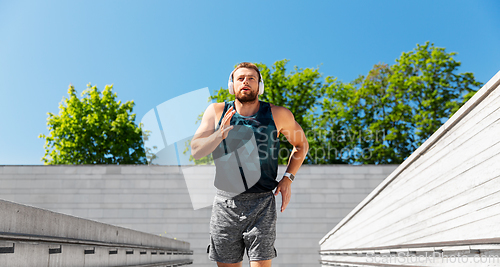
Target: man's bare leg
[[220, 264], [266, 263]]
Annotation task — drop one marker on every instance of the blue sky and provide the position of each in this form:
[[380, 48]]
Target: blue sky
[[153, 51]]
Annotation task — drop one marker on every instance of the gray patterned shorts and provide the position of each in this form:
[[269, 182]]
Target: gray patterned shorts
[[245, 221]]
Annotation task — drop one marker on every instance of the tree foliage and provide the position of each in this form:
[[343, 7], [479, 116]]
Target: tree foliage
[[406, 103], [93, 130]]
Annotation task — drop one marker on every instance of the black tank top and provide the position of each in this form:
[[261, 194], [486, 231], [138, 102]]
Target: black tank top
[[246, 160]]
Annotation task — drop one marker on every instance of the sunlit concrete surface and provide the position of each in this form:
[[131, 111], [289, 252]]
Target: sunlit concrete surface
[[441, 207]]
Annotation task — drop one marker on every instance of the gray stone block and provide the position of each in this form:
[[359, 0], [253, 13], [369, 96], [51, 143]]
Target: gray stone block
[[96, 183], [361, 169], [161, 169], [374, 183], [157, 184], [317, 176], [332, 198], [318, 183], [49, 184], [175, 184], [24, 170], [301, 197], [318, 170], [348, 183], [9, 184], [354, 176], [111, 170], [73, 183], [9, 170], [351, 198], [304, 170], [318, 198], [85, 169], [346, 169], [38, 169], [352, 190], [376, 169], [333, 184], [96, 213], [362, 184], [388, 169], [378, 176], [142, 184]]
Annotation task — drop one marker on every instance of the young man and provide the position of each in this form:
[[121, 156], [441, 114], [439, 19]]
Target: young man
[[246, 219]]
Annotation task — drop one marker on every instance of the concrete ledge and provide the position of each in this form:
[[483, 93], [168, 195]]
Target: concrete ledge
[[52, 254], [22, 219], [32, 236]]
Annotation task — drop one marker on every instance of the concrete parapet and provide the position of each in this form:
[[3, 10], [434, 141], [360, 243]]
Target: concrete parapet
[[31, 236]]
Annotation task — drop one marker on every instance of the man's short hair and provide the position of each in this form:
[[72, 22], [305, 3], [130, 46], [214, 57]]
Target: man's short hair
[[246, 65]]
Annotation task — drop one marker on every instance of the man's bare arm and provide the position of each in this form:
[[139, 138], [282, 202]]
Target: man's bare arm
[[206, 139], [295, 135]]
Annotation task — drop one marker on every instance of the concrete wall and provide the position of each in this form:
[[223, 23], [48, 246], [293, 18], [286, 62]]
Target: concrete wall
[[155, 199]]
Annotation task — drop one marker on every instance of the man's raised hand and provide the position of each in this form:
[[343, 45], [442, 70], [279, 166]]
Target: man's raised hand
[[225, 127]]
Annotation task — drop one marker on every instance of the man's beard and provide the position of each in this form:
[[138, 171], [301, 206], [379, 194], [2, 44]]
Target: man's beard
[[247, 98]]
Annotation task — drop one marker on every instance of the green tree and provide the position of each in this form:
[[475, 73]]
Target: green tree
[[93, 130], [406, 103], [334, 128]]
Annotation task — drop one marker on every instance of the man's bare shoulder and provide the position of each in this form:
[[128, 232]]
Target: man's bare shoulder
[[218, 106], [283, 117], [214, 112], [215, 108], [210, 118], [281, 113]]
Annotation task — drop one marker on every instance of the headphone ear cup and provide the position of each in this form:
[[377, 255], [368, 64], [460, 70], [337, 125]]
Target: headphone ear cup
[[230, 87], [261, 85]]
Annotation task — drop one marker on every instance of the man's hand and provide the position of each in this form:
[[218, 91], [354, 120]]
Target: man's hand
[[225, 127], [205, 140], [285, 187]]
